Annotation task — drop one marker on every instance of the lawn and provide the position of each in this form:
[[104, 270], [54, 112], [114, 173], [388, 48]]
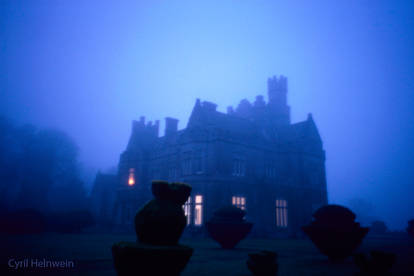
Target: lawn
[[92, 256]]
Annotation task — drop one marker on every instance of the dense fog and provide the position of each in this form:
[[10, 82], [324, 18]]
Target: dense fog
[[73, 75]]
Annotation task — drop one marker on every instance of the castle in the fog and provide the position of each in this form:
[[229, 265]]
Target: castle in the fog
[[252, 157]]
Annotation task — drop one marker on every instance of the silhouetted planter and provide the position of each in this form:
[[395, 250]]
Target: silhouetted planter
[[159, 225], [263, 263], [379, 264], [334, 231], [140, 259], [228, 227]]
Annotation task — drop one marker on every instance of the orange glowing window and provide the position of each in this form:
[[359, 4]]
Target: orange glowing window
[[239, 202], [131, 178]]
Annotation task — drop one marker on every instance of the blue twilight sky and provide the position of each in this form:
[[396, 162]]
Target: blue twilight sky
[[90, 67]]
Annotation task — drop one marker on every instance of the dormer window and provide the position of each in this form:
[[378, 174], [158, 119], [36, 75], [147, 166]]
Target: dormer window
[[131, 177]]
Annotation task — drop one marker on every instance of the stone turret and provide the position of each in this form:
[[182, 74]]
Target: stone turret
[[277, 92]]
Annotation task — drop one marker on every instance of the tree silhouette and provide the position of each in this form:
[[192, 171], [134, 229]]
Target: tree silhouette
[[39, 169]]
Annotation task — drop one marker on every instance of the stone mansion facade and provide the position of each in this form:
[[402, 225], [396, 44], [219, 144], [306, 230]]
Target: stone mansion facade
[[252, 157]]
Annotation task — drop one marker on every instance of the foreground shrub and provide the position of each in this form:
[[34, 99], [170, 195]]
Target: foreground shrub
[[162, 220], [158, 225]]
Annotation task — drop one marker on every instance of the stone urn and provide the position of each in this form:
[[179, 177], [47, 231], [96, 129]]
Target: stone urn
[[335, 232], [158, 225], [263, 263], [228, 226], [379, 264]]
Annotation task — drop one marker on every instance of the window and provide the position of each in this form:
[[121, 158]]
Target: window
[[172, 173], [130, 213], [156, 173], [131, 177], [281, 213], [187, 163], [239, 167], [198, 162], [239, 202], [198, 210], [187, 210], [270, 169]]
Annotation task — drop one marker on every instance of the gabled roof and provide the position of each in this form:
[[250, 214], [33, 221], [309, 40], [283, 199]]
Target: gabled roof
[[305, 130]]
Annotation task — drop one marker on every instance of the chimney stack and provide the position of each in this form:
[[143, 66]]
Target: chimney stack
[[209, 106], [171, 126], [142, 120], [230, 110]]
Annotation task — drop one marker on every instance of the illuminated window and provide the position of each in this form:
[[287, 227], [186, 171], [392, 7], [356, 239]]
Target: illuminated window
[[239, 202], [187, 210], [198, 210], [281, 213], [131, 178], [239, 167]]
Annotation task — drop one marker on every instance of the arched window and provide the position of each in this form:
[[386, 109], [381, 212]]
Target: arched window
[[281, 213]]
